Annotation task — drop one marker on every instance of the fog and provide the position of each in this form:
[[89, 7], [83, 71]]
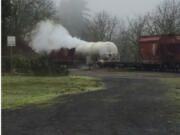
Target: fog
[[120, 8]]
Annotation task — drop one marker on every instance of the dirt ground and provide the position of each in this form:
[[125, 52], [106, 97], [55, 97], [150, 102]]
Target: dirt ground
[[132, 104]]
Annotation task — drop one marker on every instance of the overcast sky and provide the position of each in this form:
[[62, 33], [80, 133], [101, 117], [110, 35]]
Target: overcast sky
[[122, 8]]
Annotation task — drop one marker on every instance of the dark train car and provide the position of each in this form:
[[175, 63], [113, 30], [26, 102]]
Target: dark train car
[[160, 50], [63, 56]]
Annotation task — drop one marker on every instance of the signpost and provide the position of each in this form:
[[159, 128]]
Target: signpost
[[11, 42]]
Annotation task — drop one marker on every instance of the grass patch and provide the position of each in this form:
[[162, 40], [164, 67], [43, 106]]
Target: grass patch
[[173, 97], [19, 91]]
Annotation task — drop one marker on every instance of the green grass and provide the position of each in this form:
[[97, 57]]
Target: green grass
[[20, 91], [173, 97]]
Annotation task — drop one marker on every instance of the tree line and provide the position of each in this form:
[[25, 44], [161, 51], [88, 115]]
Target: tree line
[[163, 20], [19, 17]]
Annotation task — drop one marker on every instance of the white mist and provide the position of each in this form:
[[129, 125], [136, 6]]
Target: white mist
[[49, 36]]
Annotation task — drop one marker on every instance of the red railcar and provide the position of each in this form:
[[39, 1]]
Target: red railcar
[[63, 56], [161, 50]]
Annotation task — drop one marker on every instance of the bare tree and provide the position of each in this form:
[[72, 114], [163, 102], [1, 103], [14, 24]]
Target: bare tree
[[26, 13], [165, 19], [128, 39], [6, 4], [102, 27], [19, 18]]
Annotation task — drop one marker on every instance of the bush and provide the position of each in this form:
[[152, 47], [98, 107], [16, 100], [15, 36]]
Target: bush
[[44, 65], [21, 64], [37, 65], [5, 64]]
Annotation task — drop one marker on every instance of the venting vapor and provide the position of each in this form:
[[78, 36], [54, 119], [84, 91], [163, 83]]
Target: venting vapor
[[49, 36]]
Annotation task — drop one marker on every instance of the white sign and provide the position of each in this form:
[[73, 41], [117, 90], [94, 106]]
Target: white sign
[[11, 41]]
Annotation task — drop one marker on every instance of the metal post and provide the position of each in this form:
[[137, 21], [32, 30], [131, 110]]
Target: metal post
[[11, 41], [11, 59]]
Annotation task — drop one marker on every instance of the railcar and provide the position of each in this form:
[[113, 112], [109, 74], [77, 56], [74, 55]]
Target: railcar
[[63, 56], [97, 52], [162, 52]]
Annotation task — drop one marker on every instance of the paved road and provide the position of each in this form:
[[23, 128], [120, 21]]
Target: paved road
[[132, 104]]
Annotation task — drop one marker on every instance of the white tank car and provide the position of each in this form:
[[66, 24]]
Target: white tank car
[[97, 52], [83, 50]]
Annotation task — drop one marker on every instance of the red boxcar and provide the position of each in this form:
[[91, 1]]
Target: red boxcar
[[63, 56], [160, 50]]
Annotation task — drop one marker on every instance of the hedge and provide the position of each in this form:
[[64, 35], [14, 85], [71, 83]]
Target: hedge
[[36, 65]]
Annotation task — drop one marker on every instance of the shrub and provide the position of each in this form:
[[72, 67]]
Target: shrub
[[5, 64], [21, 64], [37, 65], [44, 65]]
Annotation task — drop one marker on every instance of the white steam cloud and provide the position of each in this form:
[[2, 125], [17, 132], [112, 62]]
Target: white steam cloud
[[49, 36]]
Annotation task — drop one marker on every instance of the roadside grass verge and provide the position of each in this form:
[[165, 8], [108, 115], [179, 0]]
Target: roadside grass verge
[[173, 97], [19, 91]]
